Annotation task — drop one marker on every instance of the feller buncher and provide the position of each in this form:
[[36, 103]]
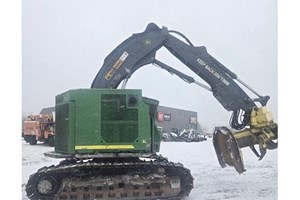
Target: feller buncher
[[109, 137]]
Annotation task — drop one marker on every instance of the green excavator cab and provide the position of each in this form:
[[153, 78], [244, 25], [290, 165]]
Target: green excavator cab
[[90, 121]]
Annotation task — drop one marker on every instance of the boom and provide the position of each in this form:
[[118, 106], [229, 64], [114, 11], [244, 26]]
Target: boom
[[139, 50]]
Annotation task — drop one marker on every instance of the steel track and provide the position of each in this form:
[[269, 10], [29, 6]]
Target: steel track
[[104, 179]]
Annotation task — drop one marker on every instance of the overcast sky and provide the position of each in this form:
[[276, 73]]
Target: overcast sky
[[65, 42]]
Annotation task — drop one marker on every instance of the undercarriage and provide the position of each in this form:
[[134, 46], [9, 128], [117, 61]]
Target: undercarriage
[[111, 178]]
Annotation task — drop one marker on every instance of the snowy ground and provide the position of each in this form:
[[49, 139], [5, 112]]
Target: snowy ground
[[211, 182]]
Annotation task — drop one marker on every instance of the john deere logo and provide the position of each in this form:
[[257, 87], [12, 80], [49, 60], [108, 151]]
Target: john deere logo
[[147, 42]]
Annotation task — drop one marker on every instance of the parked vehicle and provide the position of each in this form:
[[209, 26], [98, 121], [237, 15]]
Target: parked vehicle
[[39, 128], [192, 135]]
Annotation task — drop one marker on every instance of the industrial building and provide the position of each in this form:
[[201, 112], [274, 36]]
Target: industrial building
[[169, 118]]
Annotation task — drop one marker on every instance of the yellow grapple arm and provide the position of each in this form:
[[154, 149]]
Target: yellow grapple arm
[[262, 131]]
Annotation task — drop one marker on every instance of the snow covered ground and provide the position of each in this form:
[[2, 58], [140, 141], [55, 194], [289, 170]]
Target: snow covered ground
[[211, 182]]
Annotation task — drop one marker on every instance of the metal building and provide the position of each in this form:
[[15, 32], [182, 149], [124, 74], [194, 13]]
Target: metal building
[[169, 118]]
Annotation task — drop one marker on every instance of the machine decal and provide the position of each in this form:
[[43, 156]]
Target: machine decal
[[81, 147], [160, 116], [116, 66], [148, 42], [212, 71]]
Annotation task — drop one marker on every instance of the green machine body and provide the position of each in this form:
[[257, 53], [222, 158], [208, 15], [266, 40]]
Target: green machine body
[[90, 121]]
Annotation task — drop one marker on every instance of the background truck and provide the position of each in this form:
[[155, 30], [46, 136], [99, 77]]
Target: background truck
[[39, 127]]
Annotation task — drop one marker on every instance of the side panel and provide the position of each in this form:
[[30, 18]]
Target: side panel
[[88, 121], [65, 130], [155, 133], [119, 123]]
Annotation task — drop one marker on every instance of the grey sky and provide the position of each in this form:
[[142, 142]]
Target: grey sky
[[65, 42]]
